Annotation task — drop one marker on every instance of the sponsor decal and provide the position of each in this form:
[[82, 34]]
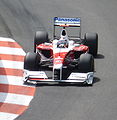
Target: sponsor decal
[[68, 20]]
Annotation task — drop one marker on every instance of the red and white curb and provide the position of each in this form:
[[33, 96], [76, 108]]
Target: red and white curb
[[14, 96]]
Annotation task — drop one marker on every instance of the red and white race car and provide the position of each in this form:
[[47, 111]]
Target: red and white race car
[[66, 58]]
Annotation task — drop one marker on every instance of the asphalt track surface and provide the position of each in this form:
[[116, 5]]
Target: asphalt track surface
[[19, 19]]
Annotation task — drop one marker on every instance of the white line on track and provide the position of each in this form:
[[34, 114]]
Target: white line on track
[[7, 116], [15, 99], [11, 64], [12, 80], [6, 39], [11, 51]]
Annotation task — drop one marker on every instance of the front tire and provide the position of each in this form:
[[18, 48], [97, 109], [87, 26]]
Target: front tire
[[31, 61], [86, 63]]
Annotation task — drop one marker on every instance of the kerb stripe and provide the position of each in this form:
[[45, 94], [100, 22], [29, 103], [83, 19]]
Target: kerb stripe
[[6, 39], [9, 44], [12, 108], [11, 51], [8, 116], [9, 71], [15, 98], [11, 57], [17, 89], [11, 64]]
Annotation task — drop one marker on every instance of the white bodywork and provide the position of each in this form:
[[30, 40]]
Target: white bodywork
[[40, 76]]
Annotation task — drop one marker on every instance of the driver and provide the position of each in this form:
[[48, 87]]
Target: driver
[[62, 43]]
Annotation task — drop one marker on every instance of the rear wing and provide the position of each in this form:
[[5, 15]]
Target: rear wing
[[67, 22]]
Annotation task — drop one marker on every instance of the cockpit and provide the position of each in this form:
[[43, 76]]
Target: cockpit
[[63, 41], [62, 44]]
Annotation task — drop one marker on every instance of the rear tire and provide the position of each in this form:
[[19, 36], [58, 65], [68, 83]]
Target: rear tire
[[31, 61], [86, 63], [91, 40], [40, 37]]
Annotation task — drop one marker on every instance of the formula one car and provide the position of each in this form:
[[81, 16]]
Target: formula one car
[[65, 58]]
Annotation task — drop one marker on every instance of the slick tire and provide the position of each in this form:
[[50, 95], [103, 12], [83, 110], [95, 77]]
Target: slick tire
[[91, 40], [31, 61], [86, 63], [40, 37]]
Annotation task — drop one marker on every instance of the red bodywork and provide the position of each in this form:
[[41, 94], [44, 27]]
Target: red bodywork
[[61, 56]]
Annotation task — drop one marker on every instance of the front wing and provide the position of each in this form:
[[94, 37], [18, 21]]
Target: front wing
[[40, 76]]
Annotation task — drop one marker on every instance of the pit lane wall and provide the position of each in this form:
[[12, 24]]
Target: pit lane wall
[[14, 96]]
